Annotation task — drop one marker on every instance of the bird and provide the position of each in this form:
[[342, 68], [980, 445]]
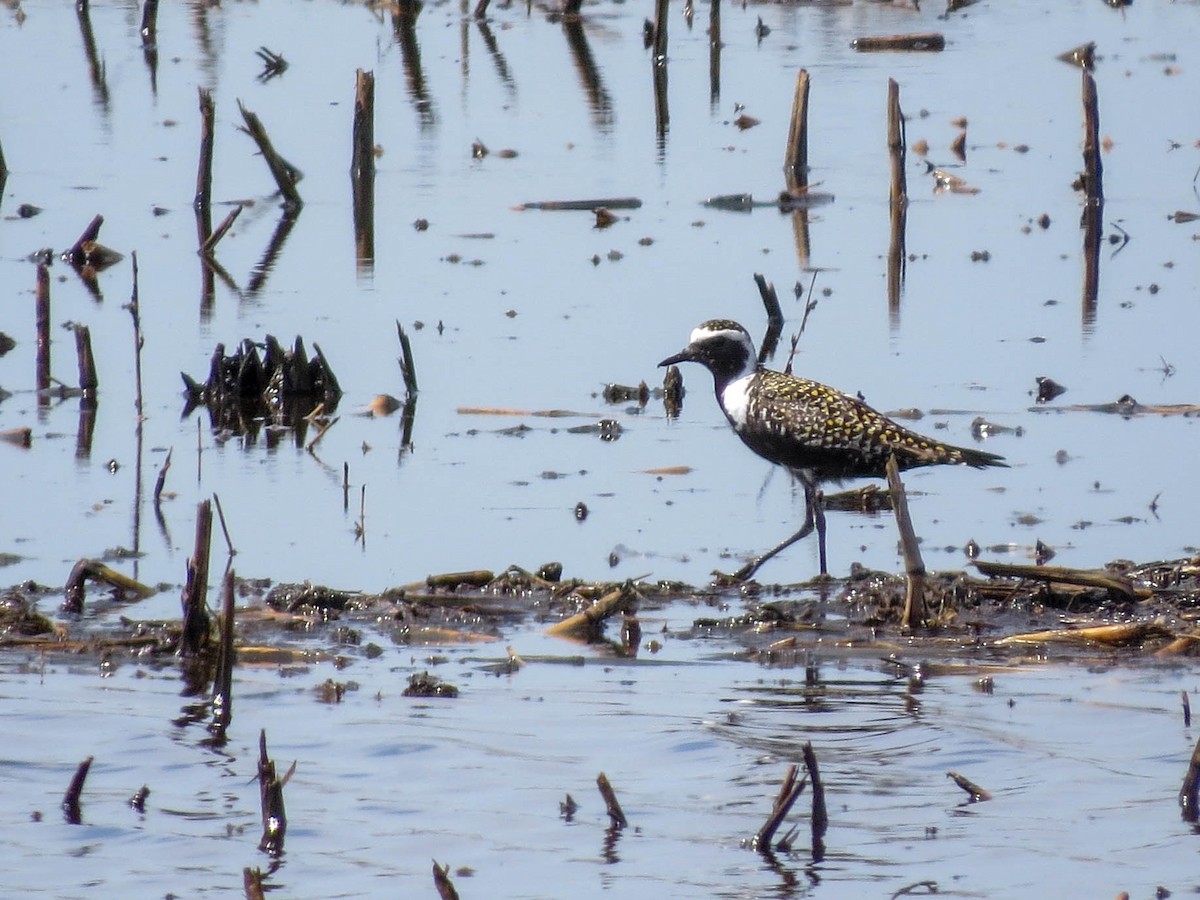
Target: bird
[[817, 432]]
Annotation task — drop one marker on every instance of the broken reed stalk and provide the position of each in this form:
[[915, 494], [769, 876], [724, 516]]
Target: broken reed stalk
[[1117, 584], [895, 139], [252, 883], [1189, 807], [1187, 709], [88, 382], [149, 22], [138, 341], [77, 255], [407, 365], [222, 697], [714, 53], [209, 244], [441, 880], [481, 9], [202, 202], [612, 806], [70, 800], [662, 115], [42, 327], [820, 815], [572, 7], [914, 566], [974, 791], [224, 527], [362, 166], [270, 786], [285, 174], [195, 636], [789, 793], [587, 625], [138, 801], [770, 300], [795, 164], [1093, 170]]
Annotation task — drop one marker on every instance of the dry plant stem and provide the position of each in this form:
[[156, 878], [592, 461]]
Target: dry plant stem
[[407, 364], [77, 255], [977, 794], [224, 527], [362, 165], [929, 41], [441, 880], [572, 7], [270, 786], [88, 382], [149, 22], [1189, 807], [162, 478], [1115, 583], [252, 884], [714, 52], [210, 243], [588, 205], [481, 9], [587, 625], [770, 300], [1093, 170], [789, 792], [42, 327], [914, 566], [222, 700], [70, 801], [3, 166], [820, 816], [1187, 709], [611, 805], [98, 571], [138, 341], [284, 173], [895, 139], [195, 592], [795, 165], [202, 202]]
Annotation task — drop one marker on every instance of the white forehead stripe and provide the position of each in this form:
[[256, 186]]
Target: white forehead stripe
[[702, 332]]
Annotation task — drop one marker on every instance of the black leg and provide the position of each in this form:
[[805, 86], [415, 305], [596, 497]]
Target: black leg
[[814, 517]]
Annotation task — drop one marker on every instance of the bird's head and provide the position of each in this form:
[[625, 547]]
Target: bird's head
[[722, 346]]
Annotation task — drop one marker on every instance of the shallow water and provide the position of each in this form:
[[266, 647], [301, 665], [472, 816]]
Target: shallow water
[[468, 495], [1084, 760]]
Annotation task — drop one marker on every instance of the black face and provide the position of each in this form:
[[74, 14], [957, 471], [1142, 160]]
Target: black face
[[722, 354]]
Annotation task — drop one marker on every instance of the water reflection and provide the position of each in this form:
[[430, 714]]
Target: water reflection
[[96, 70], [404, 26], [598, 97]]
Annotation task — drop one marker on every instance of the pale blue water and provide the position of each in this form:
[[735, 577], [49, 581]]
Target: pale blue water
[[1085, 758]]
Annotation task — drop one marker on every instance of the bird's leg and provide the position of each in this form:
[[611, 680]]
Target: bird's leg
[[814, 517], [816, 501]]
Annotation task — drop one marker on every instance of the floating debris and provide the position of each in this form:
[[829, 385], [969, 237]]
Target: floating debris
[[928, 42]]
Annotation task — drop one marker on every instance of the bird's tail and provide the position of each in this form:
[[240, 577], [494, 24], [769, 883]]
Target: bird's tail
[[976, 459]]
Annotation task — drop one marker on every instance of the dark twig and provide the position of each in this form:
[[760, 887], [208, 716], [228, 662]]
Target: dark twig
[[407, 364], [222, 697], [977, 794], [273, 64], [224, 527], [770, 300], [274, 816], [42, 327], [88, 381], [362, 165], [202, 202], [795, 164], [138, 341], [820, 816], [210, 243], [70, 801], [441, 880], [1189, 808], [195, 635], [789, 793], [613, 807], [285, 174]]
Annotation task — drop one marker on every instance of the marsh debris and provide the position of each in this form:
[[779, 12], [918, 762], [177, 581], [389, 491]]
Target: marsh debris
[[280, 387], [423, 684]]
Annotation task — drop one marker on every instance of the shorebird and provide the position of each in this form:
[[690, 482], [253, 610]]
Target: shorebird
[[813, 430]]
